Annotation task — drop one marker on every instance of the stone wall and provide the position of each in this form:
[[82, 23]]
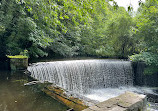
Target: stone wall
[[126, 102], [18, 63], [142, 79]]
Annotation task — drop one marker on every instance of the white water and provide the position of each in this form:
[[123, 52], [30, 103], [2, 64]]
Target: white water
[[96, 79], [80, 76], [107, 93]]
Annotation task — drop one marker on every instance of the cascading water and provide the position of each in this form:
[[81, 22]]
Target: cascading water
[[95, 79], [80, 76]]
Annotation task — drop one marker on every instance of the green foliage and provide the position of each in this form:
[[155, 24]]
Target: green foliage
[[24, 53], [119, 33], [83, 27], [149, 58], [146, 35], [19, 31], [68, 28]]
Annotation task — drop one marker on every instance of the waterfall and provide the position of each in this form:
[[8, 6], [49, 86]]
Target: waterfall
[[80, 76]]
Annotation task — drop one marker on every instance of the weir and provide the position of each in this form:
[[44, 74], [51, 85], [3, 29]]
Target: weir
[[82, 84], [81, 76]]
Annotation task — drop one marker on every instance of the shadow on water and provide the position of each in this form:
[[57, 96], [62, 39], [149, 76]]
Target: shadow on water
[[14, 96]]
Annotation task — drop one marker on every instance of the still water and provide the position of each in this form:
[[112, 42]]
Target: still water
[[14, 96]]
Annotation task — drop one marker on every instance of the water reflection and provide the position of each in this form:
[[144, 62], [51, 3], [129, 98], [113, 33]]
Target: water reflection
[[14, 96]]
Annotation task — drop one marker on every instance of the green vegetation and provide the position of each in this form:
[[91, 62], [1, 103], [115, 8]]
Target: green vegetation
[[17, 56], [146, 35], [79, 28]]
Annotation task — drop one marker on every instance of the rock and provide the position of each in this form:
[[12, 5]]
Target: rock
[[125, 102]]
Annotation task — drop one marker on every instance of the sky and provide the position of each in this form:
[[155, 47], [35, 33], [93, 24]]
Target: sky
[[126, 3]]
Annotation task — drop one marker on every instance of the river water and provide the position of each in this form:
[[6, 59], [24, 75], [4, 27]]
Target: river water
[[14, 96], [107, 93], [97, 79]]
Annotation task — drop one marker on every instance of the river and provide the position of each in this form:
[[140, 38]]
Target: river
[[14, 96]]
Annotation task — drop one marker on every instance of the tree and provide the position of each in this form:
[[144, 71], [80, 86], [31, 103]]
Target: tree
[[120, 27], [146, 34], [19, 31], [67, 28]]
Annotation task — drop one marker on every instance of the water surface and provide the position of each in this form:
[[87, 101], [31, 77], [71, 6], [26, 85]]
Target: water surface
[[107, 93], [14, 96]]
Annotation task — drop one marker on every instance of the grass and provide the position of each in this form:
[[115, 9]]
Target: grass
[[17, 56]]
